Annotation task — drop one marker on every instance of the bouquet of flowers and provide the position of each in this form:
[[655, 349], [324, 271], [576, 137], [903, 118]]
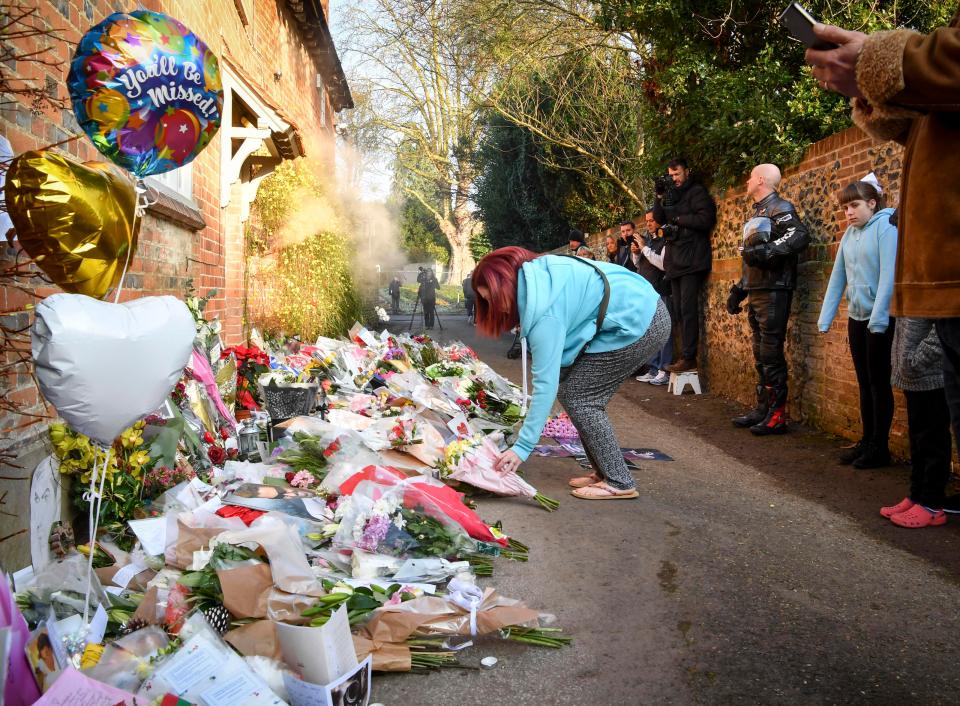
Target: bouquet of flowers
[[560, 427], [490, 405], [404, 433], [408, 434], [311, 454], [472, 461], [123, 484], [379, 519], [251, 364], [444, 370]]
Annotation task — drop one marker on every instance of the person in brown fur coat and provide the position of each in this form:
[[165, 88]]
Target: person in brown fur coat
[[905, 86]]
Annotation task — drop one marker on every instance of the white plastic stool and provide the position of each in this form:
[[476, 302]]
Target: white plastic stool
[[678, 381]]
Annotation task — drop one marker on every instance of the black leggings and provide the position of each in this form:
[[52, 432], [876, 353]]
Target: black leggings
[[930, 446], [871, 360]]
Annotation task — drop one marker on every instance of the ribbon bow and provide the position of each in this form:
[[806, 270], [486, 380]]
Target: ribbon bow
[[468, 596]]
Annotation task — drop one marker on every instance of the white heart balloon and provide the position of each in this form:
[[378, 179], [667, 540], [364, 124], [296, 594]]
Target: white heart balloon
[[104, 366]]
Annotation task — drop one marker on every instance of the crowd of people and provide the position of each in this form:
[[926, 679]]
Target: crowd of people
[[899, 269]]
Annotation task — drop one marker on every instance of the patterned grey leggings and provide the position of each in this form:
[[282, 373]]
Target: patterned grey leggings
[[590, 383]]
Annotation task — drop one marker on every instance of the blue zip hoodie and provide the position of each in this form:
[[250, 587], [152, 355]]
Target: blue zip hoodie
[[864, 266], [559, 300]]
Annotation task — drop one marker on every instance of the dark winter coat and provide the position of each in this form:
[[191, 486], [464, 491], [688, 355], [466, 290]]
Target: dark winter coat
[[428, 290], [694, 213]]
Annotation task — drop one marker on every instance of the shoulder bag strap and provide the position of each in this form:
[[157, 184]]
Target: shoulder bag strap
[[604, 303]]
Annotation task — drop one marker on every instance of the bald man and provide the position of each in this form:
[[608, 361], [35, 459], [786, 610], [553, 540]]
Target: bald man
[[772, 240]]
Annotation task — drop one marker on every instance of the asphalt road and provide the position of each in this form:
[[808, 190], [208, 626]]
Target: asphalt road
[[748, 572]]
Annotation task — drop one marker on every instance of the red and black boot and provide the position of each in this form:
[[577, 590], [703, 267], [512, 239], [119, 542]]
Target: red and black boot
[[776, 420]]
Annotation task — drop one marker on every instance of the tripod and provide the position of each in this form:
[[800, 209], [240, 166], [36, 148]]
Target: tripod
[[413, 314]]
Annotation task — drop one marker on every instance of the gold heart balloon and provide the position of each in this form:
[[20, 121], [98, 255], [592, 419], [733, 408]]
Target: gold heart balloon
[[77, 221]]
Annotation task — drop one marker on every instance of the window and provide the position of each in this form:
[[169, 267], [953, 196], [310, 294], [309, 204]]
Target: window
[[323, 100], [178, 181]]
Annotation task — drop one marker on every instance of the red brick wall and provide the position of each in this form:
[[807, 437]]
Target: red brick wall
[[169, 253]]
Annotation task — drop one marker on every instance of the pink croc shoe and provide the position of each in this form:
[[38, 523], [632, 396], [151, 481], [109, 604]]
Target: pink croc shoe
[[918, 516], [901, 506]]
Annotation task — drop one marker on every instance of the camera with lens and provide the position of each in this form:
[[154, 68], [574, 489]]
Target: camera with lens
[[662, 183], [664, 187]]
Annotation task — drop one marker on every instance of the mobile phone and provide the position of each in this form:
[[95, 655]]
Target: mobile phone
[[799, 22]]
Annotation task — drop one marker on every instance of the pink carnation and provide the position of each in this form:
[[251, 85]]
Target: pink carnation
[[302, 479]]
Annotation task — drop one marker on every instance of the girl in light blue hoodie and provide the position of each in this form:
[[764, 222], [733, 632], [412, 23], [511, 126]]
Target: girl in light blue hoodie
[[589, 325], [864, 267]]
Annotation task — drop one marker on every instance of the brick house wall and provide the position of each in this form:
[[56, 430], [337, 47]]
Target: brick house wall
[[823, 387], [271, 49]]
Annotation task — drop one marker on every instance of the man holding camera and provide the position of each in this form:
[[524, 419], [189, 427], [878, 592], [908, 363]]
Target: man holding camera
[[688, 214], [772, 240]]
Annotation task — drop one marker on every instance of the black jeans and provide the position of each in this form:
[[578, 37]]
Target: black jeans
[[468, 305], [871, 360], [930, 446], [768, 311], [685, 292], [429, 308], [949, 332]]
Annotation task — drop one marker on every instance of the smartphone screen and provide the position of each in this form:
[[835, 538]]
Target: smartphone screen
[[799, 22]]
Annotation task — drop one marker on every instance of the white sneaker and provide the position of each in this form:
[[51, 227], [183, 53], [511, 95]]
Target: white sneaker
[[646, 377], [661, 378]]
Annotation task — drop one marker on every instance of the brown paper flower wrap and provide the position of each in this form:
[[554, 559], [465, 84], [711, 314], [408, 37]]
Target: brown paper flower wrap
[[386, 633]]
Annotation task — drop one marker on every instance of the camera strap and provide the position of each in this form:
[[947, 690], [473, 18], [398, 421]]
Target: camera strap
[[601, 314]]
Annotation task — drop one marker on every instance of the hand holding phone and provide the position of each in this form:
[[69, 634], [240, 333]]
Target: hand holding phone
[[799, 22]]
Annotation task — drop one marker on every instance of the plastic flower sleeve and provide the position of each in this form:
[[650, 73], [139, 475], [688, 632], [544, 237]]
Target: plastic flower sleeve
[[126, 662], [399, 521], [476, 467], [407, 433]]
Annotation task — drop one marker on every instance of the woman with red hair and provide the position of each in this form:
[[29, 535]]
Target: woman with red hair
[[589, 325]]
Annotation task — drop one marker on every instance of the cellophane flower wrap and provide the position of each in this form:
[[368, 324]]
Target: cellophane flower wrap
[[407, 433], [473, 461], [381, 519]]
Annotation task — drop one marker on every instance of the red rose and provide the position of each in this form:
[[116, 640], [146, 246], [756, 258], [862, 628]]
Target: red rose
[[224, 434], [232, 454], [332, 448], [208, 437], [289, 476], [216, 455]]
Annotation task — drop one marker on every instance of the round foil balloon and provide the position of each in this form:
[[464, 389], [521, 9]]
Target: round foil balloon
[[77, 221], [146, 90]]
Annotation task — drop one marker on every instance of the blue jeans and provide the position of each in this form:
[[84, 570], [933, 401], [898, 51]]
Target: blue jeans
[[664, 356]]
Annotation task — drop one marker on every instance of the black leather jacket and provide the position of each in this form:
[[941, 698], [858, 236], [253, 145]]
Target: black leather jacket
[[772, 240]]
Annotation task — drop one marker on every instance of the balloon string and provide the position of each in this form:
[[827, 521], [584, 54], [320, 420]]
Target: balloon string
[[116, 296], [144, 201], [94, 523]]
